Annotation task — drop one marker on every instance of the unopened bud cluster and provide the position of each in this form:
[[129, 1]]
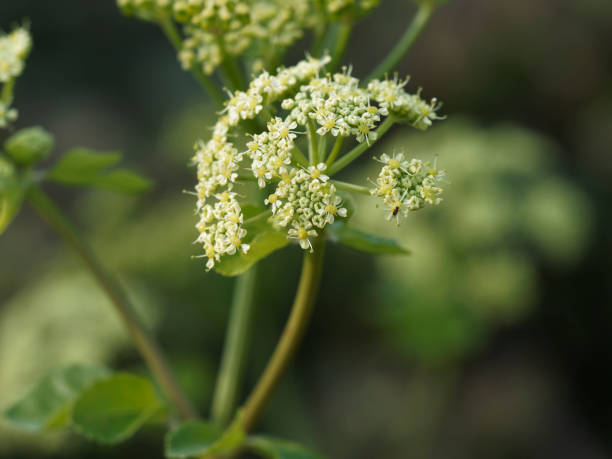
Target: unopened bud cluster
[[14, 49], [407, 185]]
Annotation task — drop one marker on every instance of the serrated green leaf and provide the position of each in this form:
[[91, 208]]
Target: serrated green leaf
[[80, 166], [123, 181], [29, 145], [264, 242], [202, 439], [49, 403], [84, 167], [113, 409], [273, 448], [365, 242]]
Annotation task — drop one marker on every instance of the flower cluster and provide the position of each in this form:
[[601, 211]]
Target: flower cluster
[[215, 29], [338, 105], [270, 150], [409, 108], [294, 101], [407, 186], [305, 200], [220, 227], [14, 49], [267, 89], [218, 160]]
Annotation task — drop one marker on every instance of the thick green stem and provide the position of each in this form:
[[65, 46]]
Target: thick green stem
[[345, 186], [235, 349], [143, 341], [359, 149], [206, 82], [291, 336], [396, 54], [343, 38]]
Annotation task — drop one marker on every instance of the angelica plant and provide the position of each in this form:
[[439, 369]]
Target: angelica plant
[[265, 179]]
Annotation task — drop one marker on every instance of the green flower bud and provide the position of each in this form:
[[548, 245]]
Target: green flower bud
[[29, 146]]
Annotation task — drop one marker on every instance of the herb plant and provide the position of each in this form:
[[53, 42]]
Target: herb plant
[[266, 178]]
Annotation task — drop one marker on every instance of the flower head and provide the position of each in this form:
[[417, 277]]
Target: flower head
[[407, 185], [14, 49], [301, 196]]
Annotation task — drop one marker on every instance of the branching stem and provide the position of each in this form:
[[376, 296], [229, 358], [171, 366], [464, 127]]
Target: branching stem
[[291, 336], [345, 186], [396, 54], [142, 339], [362, 147]]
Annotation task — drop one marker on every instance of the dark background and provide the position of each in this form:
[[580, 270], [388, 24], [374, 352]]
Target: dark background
[[376, 376]]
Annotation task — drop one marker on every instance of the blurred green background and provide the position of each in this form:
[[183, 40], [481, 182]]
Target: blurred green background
[[491, 340]]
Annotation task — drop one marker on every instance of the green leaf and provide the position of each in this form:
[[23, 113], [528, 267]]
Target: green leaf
[[273, 448], [49, 403], [202, 439], [30, 145], [190, 439], [113, 409], [80, 166], [83, 167], [123, 181], [365, 242], [262, 244]]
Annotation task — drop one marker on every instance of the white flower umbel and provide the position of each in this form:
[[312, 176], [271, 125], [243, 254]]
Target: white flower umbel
[[218, 160], [295, 101], [14, 49], [305, 200], [406, 186], [215, 29], [410, 108]]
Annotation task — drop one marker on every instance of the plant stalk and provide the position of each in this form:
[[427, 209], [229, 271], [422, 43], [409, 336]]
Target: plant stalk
[[235, 348], [396, 54], [144, 342], [173, 35], [361, 148], [343, 37], [291, 336], [335, 150], [351, 187]]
